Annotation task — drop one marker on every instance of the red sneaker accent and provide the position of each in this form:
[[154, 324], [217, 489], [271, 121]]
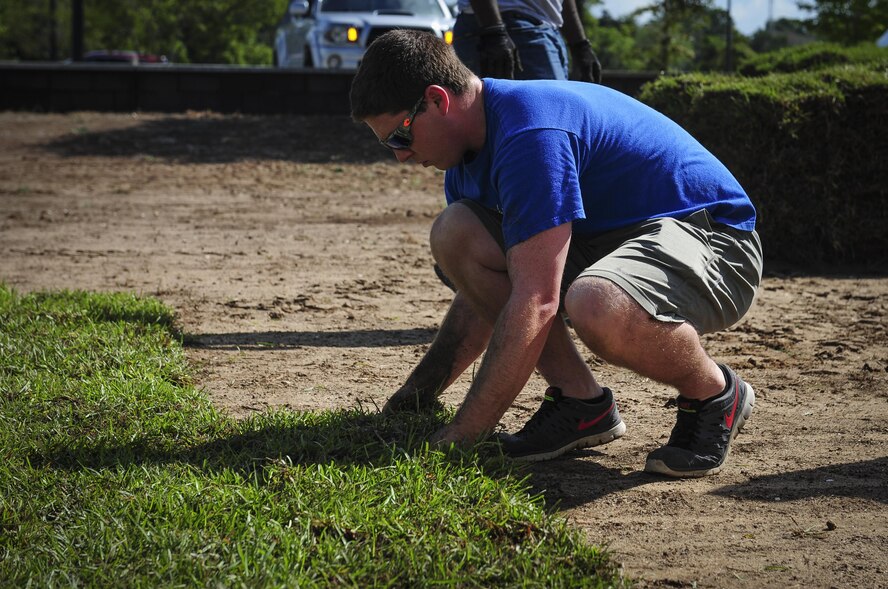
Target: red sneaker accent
[[729, 417], [584, 424]]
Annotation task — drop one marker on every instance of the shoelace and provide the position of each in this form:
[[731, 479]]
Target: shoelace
[[541, 416], [689, 430], [686, 432]]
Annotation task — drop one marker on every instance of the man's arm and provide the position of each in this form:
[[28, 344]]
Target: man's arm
[[572, 27], [460, 340], [487, 12], [497, 55], [584, 65], [535, 267]]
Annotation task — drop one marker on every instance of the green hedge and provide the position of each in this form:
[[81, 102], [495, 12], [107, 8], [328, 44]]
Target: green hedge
[[810, 148], [813, 57]]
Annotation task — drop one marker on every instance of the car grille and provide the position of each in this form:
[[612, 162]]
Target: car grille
[[376, 32]]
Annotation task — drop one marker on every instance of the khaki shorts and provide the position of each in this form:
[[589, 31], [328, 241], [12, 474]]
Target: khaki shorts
[[690, 269]]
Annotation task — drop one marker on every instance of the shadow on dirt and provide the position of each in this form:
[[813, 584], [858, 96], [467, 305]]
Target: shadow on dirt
[[209, 138], [861, 480], [277, 340], [777, 268], [566, 483]]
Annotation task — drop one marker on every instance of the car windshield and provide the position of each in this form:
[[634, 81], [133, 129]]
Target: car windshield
[[405, 7]]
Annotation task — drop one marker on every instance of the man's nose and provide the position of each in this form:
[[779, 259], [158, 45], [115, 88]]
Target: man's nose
[[403, 154]]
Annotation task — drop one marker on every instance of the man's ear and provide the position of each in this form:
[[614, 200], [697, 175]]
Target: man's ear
[[438, 97]]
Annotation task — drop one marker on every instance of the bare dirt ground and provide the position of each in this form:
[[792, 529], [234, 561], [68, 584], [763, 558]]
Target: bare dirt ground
[[295, 254]]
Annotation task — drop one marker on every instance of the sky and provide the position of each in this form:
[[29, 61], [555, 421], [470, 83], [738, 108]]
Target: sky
[[749, 15]]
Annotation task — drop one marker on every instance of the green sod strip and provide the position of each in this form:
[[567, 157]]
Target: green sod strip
[[116, 472]]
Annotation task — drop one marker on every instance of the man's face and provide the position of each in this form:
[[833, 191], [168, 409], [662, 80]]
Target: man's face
[[426, 134]]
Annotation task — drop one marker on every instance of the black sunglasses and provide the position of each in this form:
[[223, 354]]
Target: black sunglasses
[[402, 138]]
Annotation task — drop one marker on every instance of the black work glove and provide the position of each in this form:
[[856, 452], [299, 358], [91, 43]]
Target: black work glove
[[497, 54], [584, 65]]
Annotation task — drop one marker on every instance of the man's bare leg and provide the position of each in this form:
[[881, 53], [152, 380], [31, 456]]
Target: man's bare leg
[[461, 338], [616, 328], [473, 260]]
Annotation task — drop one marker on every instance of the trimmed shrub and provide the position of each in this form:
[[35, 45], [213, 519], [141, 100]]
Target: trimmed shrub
[[813, 56], [810, 148]]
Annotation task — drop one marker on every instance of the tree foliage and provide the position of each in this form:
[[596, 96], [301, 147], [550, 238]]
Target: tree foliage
[[666, 35], [186, 31], [26, 29], [680, 36], [781, 33], [675, 20], [691, 35], [848, 22]]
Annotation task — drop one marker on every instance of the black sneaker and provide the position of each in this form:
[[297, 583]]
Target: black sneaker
[[702, 436], [562, 424]]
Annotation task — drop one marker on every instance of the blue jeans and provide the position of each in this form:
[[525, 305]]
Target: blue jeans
[[541, 48]]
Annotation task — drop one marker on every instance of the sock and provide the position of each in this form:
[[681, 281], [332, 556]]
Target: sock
[[724, 391], [596, 400]]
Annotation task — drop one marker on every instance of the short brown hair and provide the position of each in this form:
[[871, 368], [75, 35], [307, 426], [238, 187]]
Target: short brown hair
[[398, 67]]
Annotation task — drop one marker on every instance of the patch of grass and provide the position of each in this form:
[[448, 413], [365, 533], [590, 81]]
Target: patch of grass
[[116, 471]]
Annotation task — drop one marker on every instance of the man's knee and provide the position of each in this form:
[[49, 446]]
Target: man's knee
[[452, 224], [596, 307], [459, 232]]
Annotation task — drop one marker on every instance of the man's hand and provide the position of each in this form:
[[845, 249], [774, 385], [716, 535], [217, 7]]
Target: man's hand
[[584, 63], [497, 53], [450, 435], [409, 399], [535, 268], [443, 438]]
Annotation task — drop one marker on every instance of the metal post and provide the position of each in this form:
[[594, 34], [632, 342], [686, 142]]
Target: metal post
[[729, 42], [77, 30], [53, 37]]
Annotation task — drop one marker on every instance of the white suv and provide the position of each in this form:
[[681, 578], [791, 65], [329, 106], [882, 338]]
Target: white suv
[[333, 34]]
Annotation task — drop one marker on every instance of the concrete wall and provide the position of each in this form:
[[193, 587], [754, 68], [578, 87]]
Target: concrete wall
[[163, 88]]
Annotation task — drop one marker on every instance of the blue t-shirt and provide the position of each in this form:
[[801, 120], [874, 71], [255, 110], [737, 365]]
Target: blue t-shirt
[[559, 152]]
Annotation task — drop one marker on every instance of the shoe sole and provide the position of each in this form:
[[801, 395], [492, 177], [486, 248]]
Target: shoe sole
[[659, 467], [589, 441]]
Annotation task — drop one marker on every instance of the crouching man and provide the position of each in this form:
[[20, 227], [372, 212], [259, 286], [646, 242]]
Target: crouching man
[[569, 200]]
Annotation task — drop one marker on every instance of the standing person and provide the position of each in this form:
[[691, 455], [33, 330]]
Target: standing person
[[570, 198], [520, 39]]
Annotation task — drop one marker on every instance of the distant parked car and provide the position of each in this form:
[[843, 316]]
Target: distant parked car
[[333, 34], [122, 56]]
